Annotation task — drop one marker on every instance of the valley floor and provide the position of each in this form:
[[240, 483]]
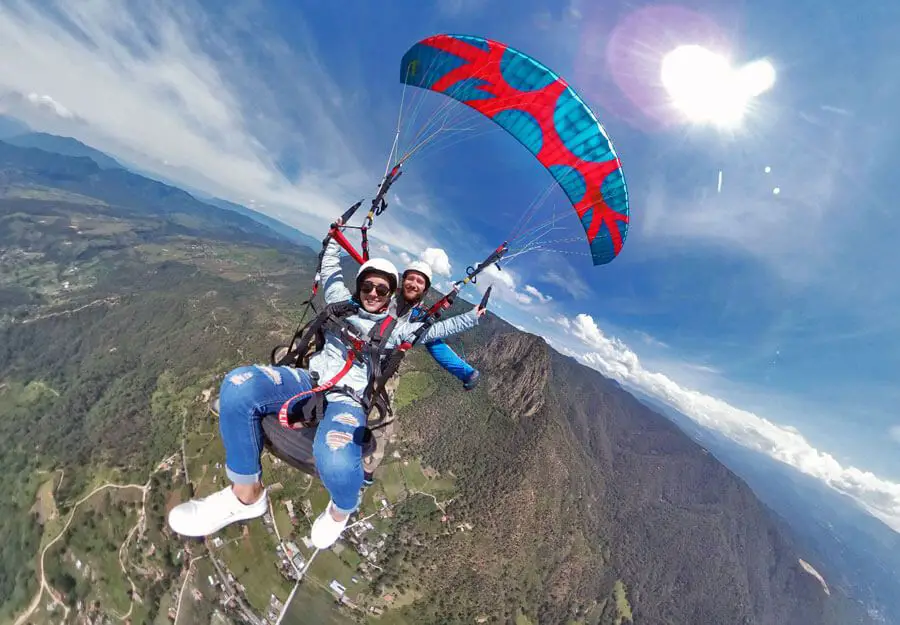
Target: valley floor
[[260, 572]]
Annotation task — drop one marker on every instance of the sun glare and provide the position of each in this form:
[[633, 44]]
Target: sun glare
[[756, 78], [704, 86]]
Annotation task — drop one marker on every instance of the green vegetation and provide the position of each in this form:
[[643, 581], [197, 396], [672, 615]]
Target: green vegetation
[[161, 312], [104, 350], [252, 560], [623, 608], [328, 566], [49, 194], [194, 608], [413, 385], [314, 604], [85, 566], [390, 477], [521, 619], [20, 531]]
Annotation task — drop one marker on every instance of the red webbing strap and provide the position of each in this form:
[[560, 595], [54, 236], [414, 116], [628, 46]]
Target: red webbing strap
[[357, 345], [285, 407], [344, 243], [385, 325]]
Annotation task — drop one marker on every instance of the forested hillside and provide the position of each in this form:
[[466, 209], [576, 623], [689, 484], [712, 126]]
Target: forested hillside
[[108, 310], [546, 495], [589, 507]]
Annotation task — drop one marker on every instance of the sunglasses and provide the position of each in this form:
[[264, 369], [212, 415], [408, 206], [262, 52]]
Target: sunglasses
[[379, 289]]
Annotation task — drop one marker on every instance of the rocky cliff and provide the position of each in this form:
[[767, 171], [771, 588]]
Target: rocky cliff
[[589, 507]]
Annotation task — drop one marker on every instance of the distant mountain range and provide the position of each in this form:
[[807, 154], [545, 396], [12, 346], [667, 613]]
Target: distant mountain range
[[16, 133], [851, 548], [10, 127], [291, 234], [66, 146]]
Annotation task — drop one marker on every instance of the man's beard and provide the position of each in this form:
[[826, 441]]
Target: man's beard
[[411, 295]]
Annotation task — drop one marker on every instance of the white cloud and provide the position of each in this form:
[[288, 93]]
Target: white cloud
[[702, 368], [218, 103], [438, 259], [574, 12], [895, 433], [47, 101], [786, 444], [566, 278], [502, 276], [567, 20], [537, 294], [214, 102], [651, 341], [505, 283], [562, 321], [406, 258]]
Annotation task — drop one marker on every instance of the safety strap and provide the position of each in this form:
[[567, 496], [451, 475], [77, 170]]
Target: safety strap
[[333, 315], [284, 411], [372, 347]]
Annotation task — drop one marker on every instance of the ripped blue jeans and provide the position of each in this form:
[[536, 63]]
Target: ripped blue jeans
[[248, 393]]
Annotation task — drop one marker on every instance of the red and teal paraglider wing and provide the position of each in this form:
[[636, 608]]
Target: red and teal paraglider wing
[[543, 113]]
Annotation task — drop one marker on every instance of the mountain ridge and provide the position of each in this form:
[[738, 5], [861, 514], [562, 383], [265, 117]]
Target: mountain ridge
[[852, 548], [19, 135], [65, 146], [654, 511]]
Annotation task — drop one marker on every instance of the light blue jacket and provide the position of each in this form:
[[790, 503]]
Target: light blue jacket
[[329, 361], [442, 353]]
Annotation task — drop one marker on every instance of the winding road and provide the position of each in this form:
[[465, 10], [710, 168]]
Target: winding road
[[35, 602]]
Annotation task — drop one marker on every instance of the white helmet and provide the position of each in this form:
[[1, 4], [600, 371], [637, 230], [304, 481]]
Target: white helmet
[[380, 265], [422, 267]]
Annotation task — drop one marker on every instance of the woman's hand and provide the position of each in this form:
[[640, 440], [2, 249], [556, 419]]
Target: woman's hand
[[479, 311]]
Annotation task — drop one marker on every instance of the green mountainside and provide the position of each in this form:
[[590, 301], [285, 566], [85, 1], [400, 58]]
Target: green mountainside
[[547, 495]]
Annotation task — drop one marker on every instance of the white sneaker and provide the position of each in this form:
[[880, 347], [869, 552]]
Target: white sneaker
[[201, 517], [325, 531]]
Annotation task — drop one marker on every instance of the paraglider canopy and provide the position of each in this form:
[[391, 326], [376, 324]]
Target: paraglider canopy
[[543, 113]]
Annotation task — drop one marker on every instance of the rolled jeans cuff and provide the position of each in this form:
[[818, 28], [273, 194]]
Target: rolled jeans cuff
[[350, 511], [240, 478]]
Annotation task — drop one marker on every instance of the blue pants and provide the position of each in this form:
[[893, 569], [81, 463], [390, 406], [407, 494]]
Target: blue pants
[[248, 393]]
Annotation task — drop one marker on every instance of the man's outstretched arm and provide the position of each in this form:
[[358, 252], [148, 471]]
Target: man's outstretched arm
[[451, 361]]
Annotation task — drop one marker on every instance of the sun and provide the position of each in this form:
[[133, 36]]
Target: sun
[[707, 89]]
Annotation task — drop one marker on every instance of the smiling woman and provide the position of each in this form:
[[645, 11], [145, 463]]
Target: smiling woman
[[704, 86]]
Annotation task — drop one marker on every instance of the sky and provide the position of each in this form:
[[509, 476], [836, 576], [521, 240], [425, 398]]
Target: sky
[[768, 316]]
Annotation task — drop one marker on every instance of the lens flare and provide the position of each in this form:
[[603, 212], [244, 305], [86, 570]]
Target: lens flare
[[705, 87]]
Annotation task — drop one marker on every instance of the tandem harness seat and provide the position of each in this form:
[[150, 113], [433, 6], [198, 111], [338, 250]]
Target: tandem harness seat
[[295, 447], [290, 433], [382, 364]]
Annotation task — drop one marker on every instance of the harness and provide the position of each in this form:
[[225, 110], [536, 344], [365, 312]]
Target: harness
[[369, 348], [383, 363]]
